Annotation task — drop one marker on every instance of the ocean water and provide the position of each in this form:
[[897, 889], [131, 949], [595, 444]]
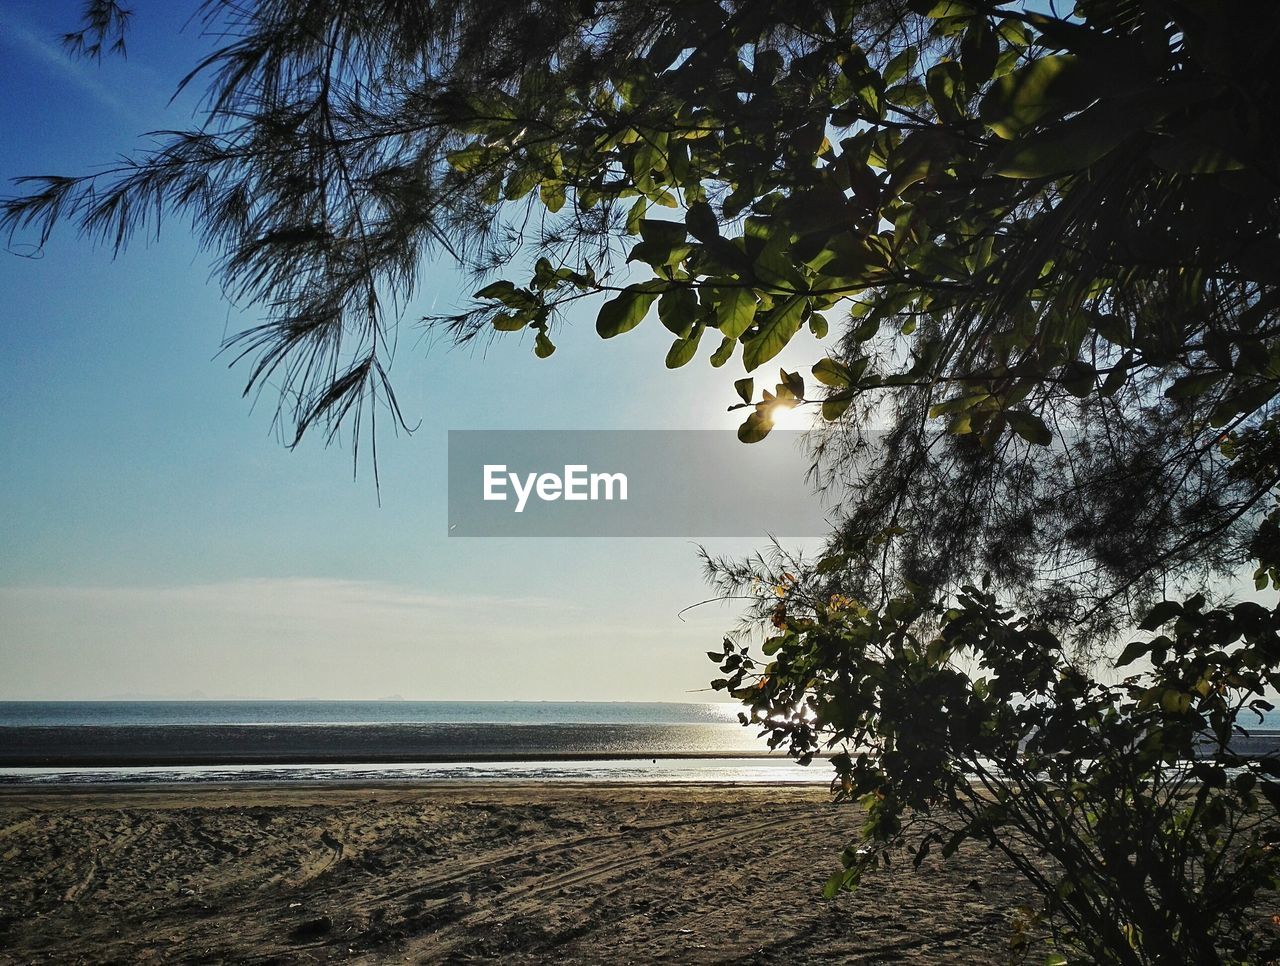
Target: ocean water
[[59, 743], [346, 741], [121, 713]]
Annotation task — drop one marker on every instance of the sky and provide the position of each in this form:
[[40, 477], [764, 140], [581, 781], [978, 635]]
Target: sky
[[158, 541]]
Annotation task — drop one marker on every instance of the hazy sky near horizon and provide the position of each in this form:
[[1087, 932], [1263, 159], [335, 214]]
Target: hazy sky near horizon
[[159, 541]]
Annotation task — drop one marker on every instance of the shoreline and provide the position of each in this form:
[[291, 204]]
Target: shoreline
[[392, 758], [320, 788], [500, 770]]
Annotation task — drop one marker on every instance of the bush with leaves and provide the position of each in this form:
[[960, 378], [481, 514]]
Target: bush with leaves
[[1147, 837]]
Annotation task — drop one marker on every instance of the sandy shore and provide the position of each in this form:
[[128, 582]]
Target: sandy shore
[[528, 873]]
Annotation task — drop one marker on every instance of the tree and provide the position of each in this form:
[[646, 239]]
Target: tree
[[1049, 247]]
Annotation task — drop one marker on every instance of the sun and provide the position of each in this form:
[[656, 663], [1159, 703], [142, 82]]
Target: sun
[[791, 417]]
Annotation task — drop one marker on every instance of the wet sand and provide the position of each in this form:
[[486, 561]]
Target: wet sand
[[437, 873]]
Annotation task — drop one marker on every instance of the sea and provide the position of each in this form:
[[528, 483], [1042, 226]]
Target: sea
[[61, 743], [52, 743]]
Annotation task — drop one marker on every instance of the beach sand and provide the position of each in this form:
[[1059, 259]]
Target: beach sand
[[526, 873]]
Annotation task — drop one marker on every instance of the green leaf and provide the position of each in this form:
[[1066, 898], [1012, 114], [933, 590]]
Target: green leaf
[[544, 274], [658, 254], [647, 158], [1245, 401], [1116, 377], [1160, 615], [553, 195], [866, 329], [1135, 650], [909, 94], [495, 290], [489, 112], [468, 158], [661, 232], [901, 65], [543, 346], [636, 214], [1089, 136], [794, 382], [1029, 426], [1175, 702], [818, 325], [755, 428], [913, 160], [510, 322], [830, 372], [851, 258], [833, 409], [958, 404], [944, 81], [863, 82], [735, 310], [1014, 32], [745, 388], [1193, 385], [1055, 84], [521, 182], [979, 50], [507, 293], [1079, 378], [724, 353], [1115, 330], [678, 309], [776, 267], [683, 350], [831, 563], [701, 221], [1059, 151], [941, 9], [776, 330], [624, 312]]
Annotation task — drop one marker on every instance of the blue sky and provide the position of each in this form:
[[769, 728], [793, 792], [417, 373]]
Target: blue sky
[[160, 541]]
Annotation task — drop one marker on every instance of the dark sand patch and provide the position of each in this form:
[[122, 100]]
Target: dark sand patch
[[528, 873]]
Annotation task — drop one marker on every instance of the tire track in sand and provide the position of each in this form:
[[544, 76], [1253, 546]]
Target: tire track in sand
[[444, 939], [457, 873]]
